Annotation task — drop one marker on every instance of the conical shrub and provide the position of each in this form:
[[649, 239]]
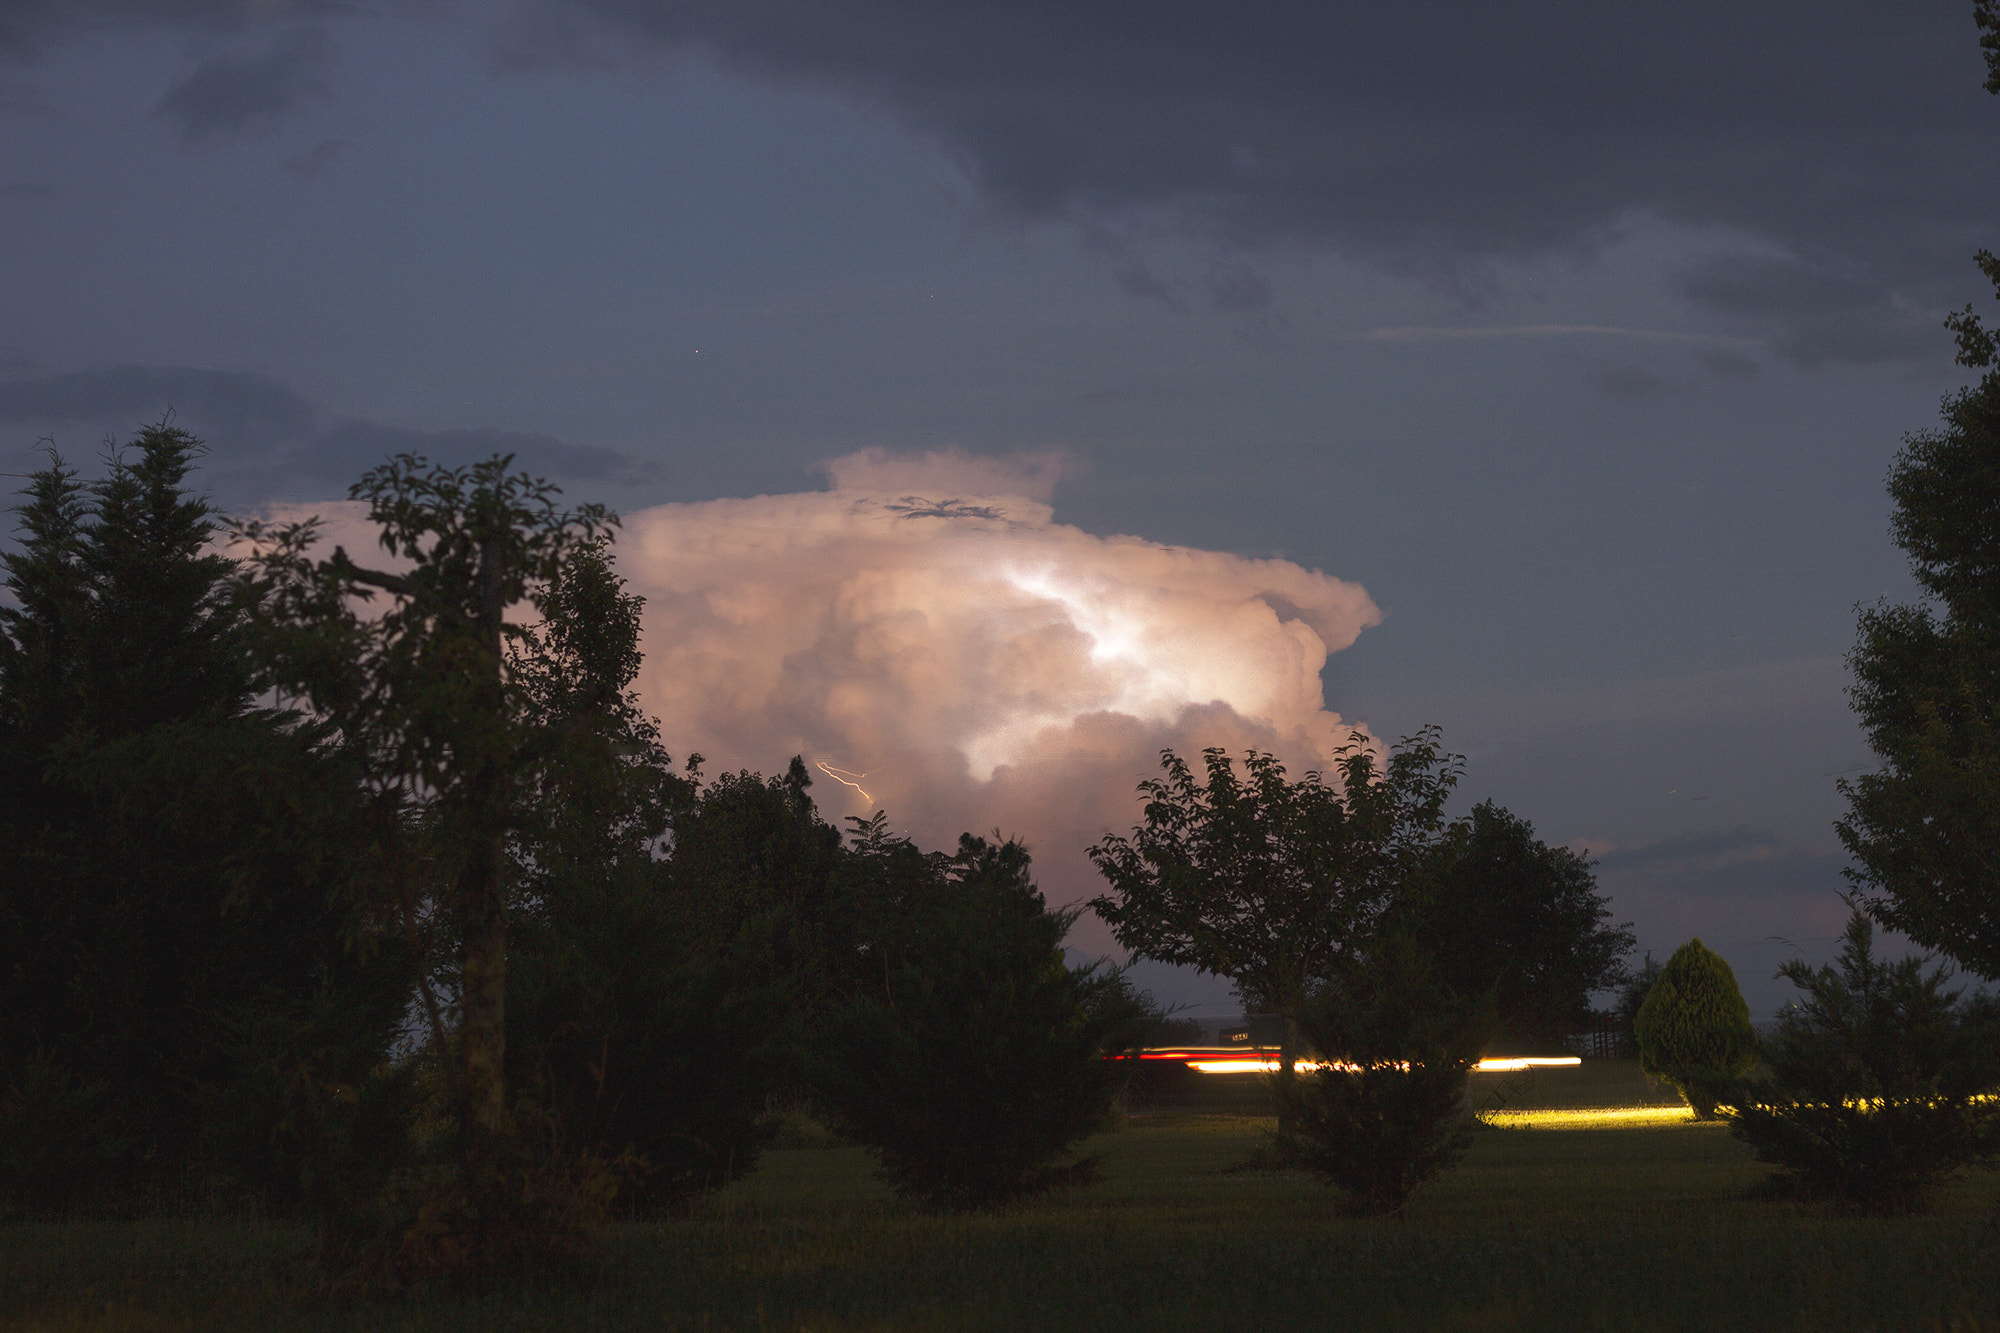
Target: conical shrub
[[1694, 1028]]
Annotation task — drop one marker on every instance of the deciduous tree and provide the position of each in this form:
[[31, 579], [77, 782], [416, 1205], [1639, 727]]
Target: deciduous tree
[[1500, 910], [453, 729], [1270, 881]]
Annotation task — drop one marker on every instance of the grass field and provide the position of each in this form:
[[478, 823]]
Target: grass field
[[1599, 1224]]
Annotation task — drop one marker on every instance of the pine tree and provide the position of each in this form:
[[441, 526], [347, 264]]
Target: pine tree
[[173, 940], [973, 1061], [1878, 1081]]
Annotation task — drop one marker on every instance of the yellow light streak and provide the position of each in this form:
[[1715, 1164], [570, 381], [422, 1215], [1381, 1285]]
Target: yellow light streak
[[1591, 1117], [844, 778], [1514, 1064]]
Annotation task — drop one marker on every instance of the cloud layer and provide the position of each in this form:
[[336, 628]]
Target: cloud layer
[[231, 94], [266, 440], [948, 652], [1429, 138], [1419, 135]]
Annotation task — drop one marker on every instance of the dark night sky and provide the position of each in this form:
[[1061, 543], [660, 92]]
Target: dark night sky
[[1580, 336]]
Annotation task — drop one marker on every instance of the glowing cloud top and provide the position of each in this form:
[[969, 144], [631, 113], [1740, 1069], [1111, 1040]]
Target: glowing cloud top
[[927, 629]]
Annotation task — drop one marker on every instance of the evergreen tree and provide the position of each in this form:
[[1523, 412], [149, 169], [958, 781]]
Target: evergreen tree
[[1924, 829], [972, 1058], [1877, 1083], [1384, 1110], [1694, 1028], [646, 1021], [176, 949]]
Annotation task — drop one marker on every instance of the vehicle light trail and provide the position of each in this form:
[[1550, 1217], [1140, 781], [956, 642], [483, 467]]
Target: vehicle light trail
[[1208, 1061]]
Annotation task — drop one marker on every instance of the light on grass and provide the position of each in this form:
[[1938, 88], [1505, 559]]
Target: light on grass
[[1591, 1117]]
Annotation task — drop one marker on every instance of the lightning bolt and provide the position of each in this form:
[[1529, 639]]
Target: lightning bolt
[[844, 778]]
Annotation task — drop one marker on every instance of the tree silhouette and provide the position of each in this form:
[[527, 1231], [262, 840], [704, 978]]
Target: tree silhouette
[[450, 726], [1266, 880]]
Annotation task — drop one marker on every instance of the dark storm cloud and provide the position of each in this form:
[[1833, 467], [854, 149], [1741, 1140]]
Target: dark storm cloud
[[1425, 137], [1624, 380], [1744, 892], [265, 439], [233, 94], [1402, 131], [304, 166], [1814, 315], [351, 446], [28, 27], [1697, 853], [239, 404]]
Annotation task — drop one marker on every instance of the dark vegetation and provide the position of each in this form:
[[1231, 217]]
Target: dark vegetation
[[1390, 1115], [362, 905], [1390, 942], [185, 965], [337, 892], [977, 1065], [1693, 1028], [1873, 1087], [1538, 1229]]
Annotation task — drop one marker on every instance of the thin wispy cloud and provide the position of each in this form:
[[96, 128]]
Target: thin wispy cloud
[[1410, 333]]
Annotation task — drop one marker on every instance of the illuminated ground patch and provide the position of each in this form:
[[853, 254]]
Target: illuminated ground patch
[[1590, 1117]]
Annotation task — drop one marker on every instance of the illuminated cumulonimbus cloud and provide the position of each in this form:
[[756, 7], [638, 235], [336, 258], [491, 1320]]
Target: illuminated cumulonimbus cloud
[[927, 631]]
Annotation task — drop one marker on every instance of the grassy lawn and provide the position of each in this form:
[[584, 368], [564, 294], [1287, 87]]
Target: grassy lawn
[[1581, 1226]]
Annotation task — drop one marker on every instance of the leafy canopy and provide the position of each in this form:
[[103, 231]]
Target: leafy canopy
[[1268, 880], [1500, 910]]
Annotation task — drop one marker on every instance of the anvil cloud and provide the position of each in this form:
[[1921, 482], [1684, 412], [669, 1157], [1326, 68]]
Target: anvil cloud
[[963, 659]]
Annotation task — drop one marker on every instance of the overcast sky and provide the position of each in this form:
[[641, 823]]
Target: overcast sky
[[1576, 338]]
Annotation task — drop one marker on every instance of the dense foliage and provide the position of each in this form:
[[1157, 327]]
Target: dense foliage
[[977, 1058], [1384, 1111], [1875, 1085], [1500, 910], [449, 734], [1694, 1027], [1924, 827], [179, 966], [1269, 881]]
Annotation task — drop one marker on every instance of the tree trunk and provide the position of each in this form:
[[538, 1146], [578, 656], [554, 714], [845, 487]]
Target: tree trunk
[[483, 896], [483, 997]]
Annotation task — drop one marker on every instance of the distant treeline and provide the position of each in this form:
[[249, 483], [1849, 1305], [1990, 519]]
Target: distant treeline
[[335, 889]]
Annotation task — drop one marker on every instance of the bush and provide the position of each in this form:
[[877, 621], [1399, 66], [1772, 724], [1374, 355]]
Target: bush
[[1384, 1111], [529, 1203], [980, 1064], [1694, 1028], [63, 1142], [1631, 998], [1874, 1082], [641, 1053]]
